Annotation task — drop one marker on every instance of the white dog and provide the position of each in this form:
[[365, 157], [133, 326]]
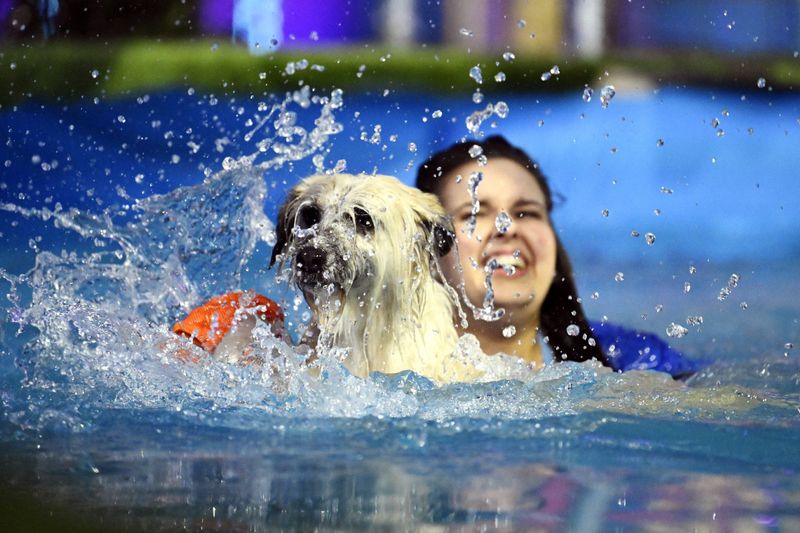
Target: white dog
[[364, 251]]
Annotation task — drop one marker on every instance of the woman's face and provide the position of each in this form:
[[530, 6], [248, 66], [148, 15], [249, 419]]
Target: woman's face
[[526, 252]]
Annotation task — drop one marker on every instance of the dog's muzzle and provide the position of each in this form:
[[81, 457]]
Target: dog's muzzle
[[310, 264]]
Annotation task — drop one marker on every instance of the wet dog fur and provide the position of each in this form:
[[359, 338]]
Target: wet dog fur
[[364, 250]]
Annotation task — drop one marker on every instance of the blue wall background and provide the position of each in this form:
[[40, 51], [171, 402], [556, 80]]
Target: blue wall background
[[734, 195]]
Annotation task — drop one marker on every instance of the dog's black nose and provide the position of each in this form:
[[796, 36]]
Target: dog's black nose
[[310, 260]]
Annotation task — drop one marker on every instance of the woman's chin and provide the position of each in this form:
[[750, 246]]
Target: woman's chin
[[512, 299]]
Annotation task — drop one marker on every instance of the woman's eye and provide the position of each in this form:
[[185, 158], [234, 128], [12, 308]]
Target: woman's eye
[[529, 214], [364, 222]]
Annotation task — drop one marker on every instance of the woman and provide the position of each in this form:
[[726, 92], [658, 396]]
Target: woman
[[507, 237]]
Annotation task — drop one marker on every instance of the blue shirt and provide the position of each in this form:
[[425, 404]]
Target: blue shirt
[[627, 349]]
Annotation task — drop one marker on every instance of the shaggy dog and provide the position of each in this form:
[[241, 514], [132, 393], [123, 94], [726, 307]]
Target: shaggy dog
[[364, 252]]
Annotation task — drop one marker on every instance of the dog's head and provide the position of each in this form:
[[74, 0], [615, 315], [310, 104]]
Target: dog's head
[[345, 232]]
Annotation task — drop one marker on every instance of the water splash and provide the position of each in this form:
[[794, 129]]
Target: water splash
[[100, 315], [476, 74], [475, 179], [503, 222], [487, 312], [475, 119], [606, 94]]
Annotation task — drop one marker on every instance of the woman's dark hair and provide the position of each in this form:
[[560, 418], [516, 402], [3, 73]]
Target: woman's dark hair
[[561, 307]]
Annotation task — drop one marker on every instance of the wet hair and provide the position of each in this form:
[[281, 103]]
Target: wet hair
[[561, 307]]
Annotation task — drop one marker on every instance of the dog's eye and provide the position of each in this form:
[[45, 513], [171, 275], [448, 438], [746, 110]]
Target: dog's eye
[[364, 222], [307, 216]]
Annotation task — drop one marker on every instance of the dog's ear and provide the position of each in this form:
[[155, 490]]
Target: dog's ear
[[438, 224], [285, 223], [443, 236]]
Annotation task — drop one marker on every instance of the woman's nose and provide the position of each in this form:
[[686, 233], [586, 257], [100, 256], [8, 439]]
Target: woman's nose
[[502, 225]]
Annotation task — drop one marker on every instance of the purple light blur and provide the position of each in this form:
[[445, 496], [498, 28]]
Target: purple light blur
[[215, 16]]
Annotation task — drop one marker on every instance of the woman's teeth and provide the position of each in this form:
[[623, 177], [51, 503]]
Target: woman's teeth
[[505, 261]]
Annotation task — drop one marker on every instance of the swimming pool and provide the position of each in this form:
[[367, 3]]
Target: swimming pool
[[99, 429]]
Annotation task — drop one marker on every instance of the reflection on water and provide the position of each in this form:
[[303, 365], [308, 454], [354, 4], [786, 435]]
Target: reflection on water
[[374, 474]]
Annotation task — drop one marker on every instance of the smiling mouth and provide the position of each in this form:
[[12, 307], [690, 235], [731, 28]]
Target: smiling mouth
[[507, 263]]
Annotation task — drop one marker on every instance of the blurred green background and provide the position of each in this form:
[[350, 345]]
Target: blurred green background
[[52, 48]]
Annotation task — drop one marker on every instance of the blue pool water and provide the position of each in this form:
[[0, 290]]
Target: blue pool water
[[99, 429]]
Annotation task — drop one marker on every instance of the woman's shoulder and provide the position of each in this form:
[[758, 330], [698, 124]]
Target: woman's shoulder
[[629, 349]]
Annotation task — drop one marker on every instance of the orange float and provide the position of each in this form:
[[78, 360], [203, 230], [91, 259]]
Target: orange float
[[208, 324]]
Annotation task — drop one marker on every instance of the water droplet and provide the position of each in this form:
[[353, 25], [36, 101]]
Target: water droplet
[[761, 83], [545, 76], [724, 292], [660, 142], [314, 36], [687, 287], [139, 178], [475, 151], [692, 269], [676, 330], [521, 23], [12, 66], [509, 332], [606, 94], [595, 295], [412, 147], [437, 114], [262, 75], [229, 163], [619, 276], [587, 94], [788, 346], [659, 308], [720, 133], [635, 233], [733, 281], [694, 320], [502, 222], [573, 330], [743, 306], [477, 97], [657, 212], [95, 73], [475, 74], [465, 32], [554, 70], [501, 109], [121, 119], [714, 122], [500, 77], [604, 212], [509, 56], [649, 238], [666, 190], [540, 123]]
